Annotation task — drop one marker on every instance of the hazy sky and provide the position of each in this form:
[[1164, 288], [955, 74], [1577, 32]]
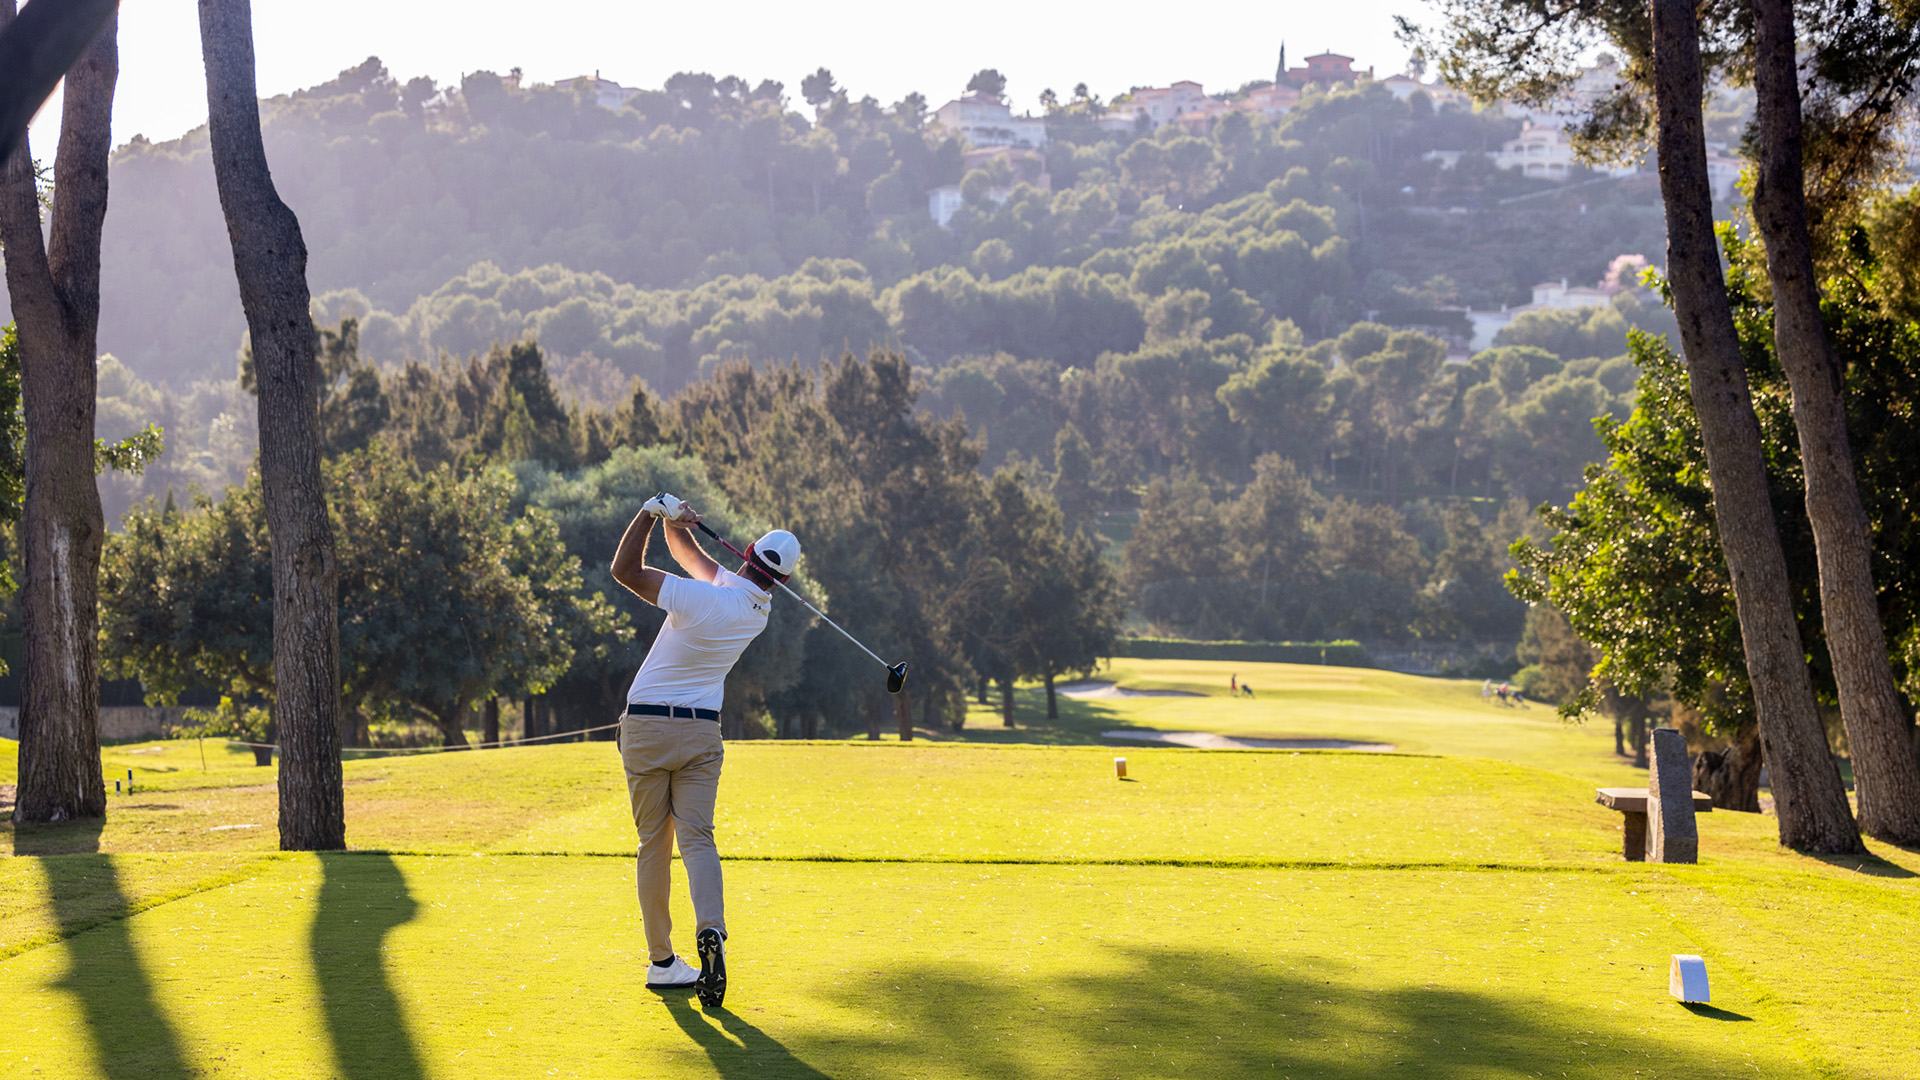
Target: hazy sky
[[881, 48]]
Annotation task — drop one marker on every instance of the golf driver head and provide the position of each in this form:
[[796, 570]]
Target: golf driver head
[[896, 677]]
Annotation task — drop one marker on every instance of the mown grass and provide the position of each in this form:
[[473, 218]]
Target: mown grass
[[964, 909]]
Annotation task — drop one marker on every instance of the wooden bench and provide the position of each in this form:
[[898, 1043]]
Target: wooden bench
[[1632, 804]]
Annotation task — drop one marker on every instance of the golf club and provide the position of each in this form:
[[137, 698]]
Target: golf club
[[896, 673]]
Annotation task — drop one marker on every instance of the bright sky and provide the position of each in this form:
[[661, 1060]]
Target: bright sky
[[878, 47]]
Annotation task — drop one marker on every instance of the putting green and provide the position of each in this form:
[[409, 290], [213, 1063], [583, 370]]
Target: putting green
[[961, 909]]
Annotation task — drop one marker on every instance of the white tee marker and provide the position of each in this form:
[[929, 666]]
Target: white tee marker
[[1687, 979]]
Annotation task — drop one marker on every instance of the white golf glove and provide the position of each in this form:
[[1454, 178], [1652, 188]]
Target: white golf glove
[[663, 505]]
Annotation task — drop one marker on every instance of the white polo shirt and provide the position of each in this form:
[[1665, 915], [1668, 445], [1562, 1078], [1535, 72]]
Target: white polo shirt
[[708, 626]]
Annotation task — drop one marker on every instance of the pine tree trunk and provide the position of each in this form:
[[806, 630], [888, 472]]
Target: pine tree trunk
[[1619, 747], [903, 713], [1006, 703], [55, 292], [1812, 805], [1886, 777], [270, 261], [1053, 708], [490, 731]]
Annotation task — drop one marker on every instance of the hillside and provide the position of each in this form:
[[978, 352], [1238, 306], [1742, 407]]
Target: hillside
[[684, 227]]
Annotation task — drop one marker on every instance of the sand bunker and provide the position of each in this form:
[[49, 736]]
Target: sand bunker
[[1095, 688], [1207, 740]]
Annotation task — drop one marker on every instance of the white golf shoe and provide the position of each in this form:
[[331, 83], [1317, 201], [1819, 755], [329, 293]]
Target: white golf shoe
[[677, 976]]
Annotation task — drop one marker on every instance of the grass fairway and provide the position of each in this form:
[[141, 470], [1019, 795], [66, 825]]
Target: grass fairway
[[964, 909]]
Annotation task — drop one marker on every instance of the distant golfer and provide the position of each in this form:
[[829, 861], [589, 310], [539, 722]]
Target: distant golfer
[[670, 735]]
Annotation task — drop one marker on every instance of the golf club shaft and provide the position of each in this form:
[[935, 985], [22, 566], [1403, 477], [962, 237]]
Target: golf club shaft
[[803, 600]]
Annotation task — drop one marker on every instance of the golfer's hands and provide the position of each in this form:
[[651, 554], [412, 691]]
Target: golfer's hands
[[671, 511]]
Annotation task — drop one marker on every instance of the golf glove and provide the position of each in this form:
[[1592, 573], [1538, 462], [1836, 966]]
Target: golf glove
[[663, 505]]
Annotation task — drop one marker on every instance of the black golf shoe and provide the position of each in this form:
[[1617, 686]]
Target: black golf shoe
[[712, 984]]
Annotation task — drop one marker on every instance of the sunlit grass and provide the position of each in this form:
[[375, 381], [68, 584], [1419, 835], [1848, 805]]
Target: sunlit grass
[[957, 908]]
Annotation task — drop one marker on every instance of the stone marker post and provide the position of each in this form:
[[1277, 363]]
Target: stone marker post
[[1672, 834]]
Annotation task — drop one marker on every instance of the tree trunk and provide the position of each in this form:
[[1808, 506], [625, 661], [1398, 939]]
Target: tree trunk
[[38, 53], [1619, 748], [55, 291], [874, 706], [1053, 708], [490, 730], [1731, 776], [1812, 804], [903, 713], [270, 261], [451, 730], [1638, 737], [981, 687], [1006, 702], [1886, 778], [930, 711]]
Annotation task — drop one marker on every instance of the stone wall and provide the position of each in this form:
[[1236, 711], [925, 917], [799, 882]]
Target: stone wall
[[118, 723]]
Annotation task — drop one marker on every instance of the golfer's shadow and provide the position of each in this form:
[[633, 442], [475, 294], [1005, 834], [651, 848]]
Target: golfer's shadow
[[749, 1055]]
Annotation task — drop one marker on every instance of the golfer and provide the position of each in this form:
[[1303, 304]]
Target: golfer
[[670, 735]]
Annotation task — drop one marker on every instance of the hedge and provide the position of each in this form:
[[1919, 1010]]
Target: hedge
[[1336, 653]]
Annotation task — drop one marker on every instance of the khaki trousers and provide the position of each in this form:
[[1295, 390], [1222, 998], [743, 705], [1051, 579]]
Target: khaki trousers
[[673, 779]]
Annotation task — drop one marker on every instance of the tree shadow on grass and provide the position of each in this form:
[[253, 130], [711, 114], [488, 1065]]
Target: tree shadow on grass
[[363, 897], [131, 1037], [1158, 1012], [738, 1050], [1870, 865]]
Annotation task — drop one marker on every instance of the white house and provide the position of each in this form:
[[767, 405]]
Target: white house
[[985, 120], [1545, 152], [1546, 295], [943, 202], [1161, 104], [606, 93], [1542, 152]]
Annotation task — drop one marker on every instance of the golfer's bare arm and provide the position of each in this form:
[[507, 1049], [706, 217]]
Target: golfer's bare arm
[[688, 552], [630, 560], [630, 567]]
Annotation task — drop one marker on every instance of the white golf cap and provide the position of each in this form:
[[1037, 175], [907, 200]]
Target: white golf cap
[[779, 550]]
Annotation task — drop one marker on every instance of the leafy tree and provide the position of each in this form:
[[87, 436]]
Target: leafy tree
[[987, 81], [1494, 47], [1062, 602], [818, 88], [590, 507], [1465, 597], [447, 596]]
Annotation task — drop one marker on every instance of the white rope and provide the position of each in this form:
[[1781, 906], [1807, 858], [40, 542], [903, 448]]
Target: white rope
[[439, 749]]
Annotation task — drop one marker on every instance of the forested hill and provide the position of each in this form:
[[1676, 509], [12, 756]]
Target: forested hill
[[709, 219]]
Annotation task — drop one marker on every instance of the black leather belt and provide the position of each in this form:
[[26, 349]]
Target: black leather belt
[[677, 712]]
